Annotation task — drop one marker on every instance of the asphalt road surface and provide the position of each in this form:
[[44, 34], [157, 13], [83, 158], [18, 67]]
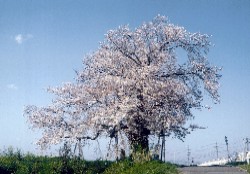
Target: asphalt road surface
[[211, 170]]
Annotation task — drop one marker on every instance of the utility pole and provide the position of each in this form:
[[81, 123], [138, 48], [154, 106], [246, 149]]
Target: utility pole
[[217, 152], [188, 155], [227, 147], [116, 145], [246, 148], [247, 144], [163, 146]]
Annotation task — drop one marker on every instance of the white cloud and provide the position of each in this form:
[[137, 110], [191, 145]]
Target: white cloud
[[20, 38], [12, 87]]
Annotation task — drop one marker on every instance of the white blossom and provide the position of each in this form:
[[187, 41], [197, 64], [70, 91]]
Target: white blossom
[[132, 84]]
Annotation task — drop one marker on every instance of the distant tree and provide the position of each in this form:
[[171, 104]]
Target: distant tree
[[134, 85]]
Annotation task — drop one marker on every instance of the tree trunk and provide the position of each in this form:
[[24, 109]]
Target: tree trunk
[[138, 141], [138, 135], [138, 138]]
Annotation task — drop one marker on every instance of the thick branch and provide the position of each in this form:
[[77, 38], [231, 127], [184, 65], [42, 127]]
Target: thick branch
[[87, 137], [182, 74]]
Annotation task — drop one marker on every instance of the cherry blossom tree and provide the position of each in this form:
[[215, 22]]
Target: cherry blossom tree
[[133, 84]]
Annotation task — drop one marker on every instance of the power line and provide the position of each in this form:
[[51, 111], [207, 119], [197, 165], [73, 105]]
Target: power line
[[218, 149]]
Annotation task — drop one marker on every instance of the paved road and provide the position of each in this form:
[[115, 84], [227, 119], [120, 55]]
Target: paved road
[[211, 170]]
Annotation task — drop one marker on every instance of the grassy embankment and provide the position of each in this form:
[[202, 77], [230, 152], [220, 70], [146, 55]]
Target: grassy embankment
[[246, 167], [18, 163]]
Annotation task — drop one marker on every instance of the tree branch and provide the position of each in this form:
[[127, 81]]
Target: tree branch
[[182, 74]]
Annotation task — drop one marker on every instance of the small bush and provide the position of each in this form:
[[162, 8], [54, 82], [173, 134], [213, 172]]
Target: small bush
[[234, 163]]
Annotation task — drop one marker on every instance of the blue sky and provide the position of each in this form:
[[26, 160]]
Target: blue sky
[[43, 42]]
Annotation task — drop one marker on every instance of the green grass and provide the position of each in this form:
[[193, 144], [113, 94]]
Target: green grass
[[18, 163], [246, 167], [25, 164], [149, 167]]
